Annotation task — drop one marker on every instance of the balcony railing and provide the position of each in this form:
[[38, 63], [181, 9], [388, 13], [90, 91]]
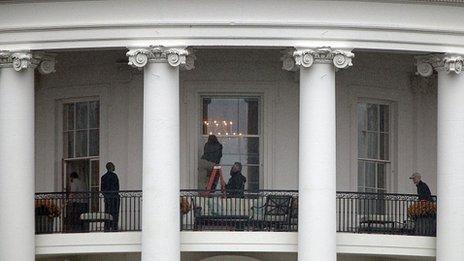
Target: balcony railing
[[383, 213], [264, 210], [78, 212]]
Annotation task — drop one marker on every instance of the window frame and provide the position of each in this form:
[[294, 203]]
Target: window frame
[[260, 134], [390, 164]]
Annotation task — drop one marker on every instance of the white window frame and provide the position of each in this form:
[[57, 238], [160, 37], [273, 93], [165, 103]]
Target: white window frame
[[260, 127], [60, 137], [391, 162]]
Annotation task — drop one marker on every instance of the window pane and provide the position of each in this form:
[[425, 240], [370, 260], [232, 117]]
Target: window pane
[[372, 117], [372, 145], [370, 174], [362, 113], [252, 175], [384, 146], [94, 114], [81, 143], [362, 140], [384, 118], [381, 182], [95, 171], [68, 144], [81, 115], [94, 143], [361, 167], [252, 114], [68, 117]]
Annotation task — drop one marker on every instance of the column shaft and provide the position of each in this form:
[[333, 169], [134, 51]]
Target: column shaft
[[161, 170], [450, 164], [317, 164], [17, 240]]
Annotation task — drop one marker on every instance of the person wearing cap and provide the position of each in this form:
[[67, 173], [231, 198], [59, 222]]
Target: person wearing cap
[[423, 191]]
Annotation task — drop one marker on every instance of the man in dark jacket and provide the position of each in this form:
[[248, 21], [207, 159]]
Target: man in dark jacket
[[423, 191], [110, 190], [236, 184]]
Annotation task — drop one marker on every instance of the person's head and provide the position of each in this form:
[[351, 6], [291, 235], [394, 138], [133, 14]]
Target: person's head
[[416, 177], [237, 167], [110, 166], [73, 175], [212, 139]]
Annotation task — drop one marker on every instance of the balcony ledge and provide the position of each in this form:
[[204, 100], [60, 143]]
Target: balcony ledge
[[127, 242]]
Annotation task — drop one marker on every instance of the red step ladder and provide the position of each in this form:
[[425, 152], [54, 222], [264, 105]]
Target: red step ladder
[[216, 175]]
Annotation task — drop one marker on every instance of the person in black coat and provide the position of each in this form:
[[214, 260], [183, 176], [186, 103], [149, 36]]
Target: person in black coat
[[110, 190], [423, 191], [236, 184], [212, 154]]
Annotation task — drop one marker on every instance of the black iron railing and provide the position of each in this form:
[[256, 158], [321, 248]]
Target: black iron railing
[[383, 213], [264, 210], [79, 212]]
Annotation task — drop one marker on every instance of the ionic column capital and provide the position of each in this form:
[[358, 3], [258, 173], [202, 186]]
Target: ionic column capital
[[451, 63], [23, 60], [139, 57], [305, 58]]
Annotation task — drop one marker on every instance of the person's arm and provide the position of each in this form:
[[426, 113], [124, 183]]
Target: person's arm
[[117, 182]]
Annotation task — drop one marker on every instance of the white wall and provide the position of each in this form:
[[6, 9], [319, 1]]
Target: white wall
[[374, 75]]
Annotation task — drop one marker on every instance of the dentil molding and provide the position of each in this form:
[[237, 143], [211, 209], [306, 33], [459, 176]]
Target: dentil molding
[[426, 65], [23, 60], [139, 57], [305, 58]]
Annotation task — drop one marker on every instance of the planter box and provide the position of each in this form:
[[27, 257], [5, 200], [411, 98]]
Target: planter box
[[425, 226]]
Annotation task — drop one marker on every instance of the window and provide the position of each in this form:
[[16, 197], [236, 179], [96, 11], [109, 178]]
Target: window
[[374, 133], [236, 123], [81, 124], [81, 144]]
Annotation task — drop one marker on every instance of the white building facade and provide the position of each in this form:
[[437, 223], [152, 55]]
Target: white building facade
[[329, 105]]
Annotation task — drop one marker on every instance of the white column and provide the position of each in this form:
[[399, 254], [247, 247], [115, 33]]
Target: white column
[[161, 134], [450, 153], [317, 151], [17, 184]]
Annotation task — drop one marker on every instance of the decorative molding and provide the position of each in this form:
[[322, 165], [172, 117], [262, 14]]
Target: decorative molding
[[426, 65], [23, 60], [47, 64], [454, 64], [288, 61], [307, 57], [139, 57]]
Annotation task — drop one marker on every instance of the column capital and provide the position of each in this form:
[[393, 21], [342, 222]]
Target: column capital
[[23, 60], [305, 58], [139, 57], [451, 63]]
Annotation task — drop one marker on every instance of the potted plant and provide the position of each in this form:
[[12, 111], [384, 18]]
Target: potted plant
[[424, 214], [45, 212]]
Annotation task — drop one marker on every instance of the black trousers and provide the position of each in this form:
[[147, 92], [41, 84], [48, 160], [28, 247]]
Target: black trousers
[[112, 208]]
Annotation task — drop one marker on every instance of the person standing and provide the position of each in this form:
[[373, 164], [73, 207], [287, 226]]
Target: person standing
[[423, 191], [110, 190], [212, 154], [78, 202]]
